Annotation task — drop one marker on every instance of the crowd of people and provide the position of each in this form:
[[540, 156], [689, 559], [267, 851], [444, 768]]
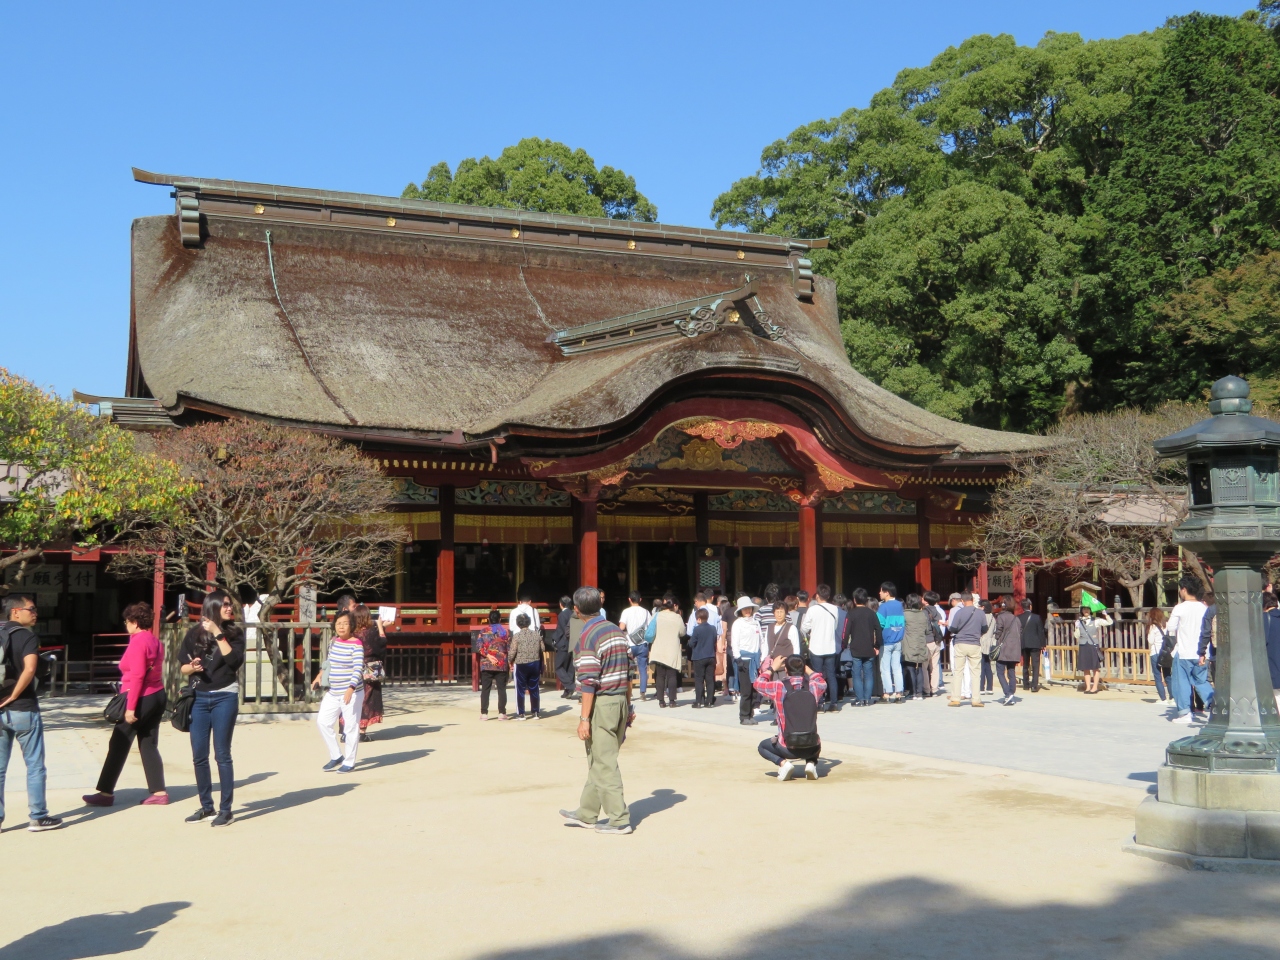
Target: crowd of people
[[789, 657]]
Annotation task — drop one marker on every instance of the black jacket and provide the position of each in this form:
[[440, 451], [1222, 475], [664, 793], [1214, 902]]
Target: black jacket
[[560, 638], [219, 671], [1033, 637], [862, 633]]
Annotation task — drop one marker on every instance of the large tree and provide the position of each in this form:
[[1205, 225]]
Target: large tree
[[952, 202], [67, 476], [1008, 224], [277, 509], [1196, 189], [1099, 494], [541, 175]]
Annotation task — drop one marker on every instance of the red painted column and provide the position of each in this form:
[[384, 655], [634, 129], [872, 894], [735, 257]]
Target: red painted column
[[444, 562], [588, 543], [157, 592], [1019, 582], [210, 576], [980, 582], [924, 566], [809, 548]]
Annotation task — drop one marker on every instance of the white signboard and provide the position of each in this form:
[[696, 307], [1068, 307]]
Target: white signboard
[[1001, 581], [307, 605]]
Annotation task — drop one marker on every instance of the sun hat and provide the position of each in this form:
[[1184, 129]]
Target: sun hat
[[745, 603]]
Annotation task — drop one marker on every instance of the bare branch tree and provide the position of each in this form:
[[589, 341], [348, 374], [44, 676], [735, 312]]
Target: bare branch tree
[[278, 509], [1100, 494]]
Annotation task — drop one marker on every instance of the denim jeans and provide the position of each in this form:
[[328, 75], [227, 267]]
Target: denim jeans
[[825, 664], [641, 653], [891, 668], [214, 712], [1189, 675], [1162, 682], [27, 726], [863, 678]]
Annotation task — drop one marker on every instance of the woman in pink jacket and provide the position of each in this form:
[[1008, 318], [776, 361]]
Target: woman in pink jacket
[[142, 682]]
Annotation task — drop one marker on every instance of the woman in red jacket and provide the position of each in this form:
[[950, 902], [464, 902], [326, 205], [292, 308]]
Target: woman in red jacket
[[143, 686]]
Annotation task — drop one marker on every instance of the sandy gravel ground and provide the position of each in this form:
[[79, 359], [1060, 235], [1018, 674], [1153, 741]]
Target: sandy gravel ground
[[446, 844]]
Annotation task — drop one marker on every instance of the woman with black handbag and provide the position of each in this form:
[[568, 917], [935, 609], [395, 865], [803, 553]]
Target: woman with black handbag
[[136, 711], [211, 655]]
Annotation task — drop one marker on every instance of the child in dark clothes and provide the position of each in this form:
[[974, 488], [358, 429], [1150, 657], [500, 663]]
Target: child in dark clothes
[[702, 654]]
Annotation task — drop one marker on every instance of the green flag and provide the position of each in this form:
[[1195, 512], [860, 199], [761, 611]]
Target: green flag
[[1087, 599]]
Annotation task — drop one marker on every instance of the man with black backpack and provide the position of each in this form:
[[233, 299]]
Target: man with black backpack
[[19, 709], [795, 695]]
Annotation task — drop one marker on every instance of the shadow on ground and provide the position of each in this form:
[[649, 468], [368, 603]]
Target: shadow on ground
[[294, 798], [389, 759], [133, 797], [408, 730], [1188, 916], [656, 802], [97, 935]]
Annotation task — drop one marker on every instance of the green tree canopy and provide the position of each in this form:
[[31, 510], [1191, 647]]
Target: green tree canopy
[[1008, 224], [541, 175], [952, 204], [1196, 189], [66, 475]]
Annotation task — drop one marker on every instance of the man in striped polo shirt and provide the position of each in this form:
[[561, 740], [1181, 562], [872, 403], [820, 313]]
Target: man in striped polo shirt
[[604, 682]]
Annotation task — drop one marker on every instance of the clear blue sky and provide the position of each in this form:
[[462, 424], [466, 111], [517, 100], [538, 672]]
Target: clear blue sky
[[366, 96]]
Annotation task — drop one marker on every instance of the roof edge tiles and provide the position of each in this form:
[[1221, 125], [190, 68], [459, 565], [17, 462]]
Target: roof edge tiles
[[201, 197]]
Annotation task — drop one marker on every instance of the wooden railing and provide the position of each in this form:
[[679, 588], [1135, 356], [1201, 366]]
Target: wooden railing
[[1126, 657], [424, 617]]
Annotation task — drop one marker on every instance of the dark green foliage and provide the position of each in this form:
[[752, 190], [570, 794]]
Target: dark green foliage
[[538, 175], [1009, 223]]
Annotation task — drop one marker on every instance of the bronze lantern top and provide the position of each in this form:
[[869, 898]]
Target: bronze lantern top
[[1230, 426]]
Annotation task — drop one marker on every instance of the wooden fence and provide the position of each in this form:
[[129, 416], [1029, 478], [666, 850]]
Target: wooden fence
[[1126, 655]]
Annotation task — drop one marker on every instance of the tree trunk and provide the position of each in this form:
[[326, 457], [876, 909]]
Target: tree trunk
[[1192, 561], [22, 556]]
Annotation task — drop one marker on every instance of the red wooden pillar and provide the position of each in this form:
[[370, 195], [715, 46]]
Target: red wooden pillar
[[980, 581], [924, 566], [157, 592], [1019, 583], [588, 542], [809, 548], [444, 562], [210, 576]]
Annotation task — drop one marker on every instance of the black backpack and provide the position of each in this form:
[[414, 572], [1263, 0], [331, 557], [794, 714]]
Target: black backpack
[[800, 708]]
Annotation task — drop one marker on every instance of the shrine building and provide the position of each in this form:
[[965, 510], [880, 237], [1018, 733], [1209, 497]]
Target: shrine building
[[562, 400]]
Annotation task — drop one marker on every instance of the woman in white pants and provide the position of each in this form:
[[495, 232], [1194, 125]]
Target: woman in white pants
[[345, 695]]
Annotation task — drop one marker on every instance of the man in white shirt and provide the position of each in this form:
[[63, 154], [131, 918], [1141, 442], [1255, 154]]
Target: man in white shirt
[[633, 620], [1189, 669], [525, 606], [713, 615], [819, 627]]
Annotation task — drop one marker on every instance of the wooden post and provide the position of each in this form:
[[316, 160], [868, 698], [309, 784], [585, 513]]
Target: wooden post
[[444, 563], [588, 543], [981, 580], [400, 573], [157, 593], [210, 576], [808, 548], [924, 565], [633, 566], [701, 521], [1019, 583], [838, 586]]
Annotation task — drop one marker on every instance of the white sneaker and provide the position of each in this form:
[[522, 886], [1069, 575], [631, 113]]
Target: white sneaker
[[1186, 719], [786, 771], [810, 772]]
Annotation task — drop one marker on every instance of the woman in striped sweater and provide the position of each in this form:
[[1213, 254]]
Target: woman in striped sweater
[[345, 695]]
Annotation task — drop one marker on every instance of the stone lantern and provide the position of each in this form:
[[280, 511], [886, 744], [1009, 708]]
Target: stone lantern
[[1218, 799]]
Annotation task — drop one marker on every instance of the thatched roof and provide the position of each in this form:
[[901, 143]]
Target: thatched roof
[[431, 321]]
